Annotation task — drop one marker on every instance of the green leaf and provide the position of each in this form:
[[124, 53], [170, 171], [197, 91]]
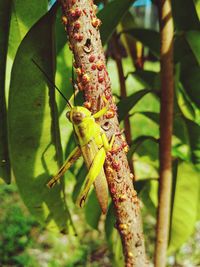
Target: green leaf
[[145, 196], [175, 164], [179, 127], [113, 238], [185, 104], [193, 39], [138, 141], [182, 10], [194, 140], [81, 176], [147, 37], [63, 64], [181, 48], [126, 104], [111, 15], [93, 211], [5, 13], [185, 206], [154, 116], [150, 79], [191, 79], [22, 20], [33, 126]]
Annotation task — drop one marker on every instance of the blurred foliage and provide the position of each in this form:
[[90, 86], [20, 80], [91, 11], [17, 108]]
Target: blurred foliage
[[36, 120]]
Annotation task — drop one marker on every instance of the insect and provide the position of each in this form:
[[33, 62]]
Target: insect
[[93, 146]]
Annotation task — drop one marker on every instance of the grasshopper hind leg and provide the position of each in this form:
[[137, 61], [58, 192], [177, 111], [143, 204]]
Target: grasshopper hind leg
[[93, 172], [75, 154]]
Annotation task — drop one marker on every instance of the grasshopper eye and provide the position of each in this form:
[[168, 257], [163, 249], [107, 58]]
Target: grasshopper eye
[[68, 115]]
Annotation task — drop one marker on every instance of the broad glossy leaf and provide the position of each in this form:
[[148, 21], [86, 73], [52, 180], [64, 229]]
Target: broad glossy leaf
[[33, 126], [185, 205], [111, 15], [93, 211], [193, 38], [194, 140], [147, 37], [182, 10], [126, 104], [5, 13], [22, 20]]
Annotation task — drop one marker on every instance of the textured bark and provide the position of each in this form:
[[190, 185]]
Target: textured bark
[[166, 124], [79, 17]]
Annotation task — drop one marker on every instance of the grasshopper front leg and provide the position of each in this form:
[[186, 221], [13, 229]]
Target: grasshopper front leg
[[74, 155], [93, 172]]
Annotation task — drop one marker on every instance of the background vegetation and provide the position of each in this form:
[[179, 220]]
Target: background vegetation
[[34, 146]]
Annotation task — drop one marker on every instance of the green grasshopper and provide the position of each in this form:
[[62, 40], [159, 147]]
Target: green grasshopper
[[92, 145]]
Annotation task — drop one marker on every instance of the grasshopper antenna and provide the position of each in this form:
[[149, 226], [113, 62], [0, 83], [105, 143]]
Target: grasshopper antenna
[[49, 80], [73, 82]]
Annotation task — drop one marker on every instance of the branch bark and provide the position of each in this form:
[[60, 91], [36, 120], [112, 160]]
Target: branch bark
[[166, 125], [79, 17]]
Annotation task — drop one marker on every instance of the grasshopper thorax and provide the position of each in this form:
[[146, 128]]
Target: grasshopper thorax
[[77, 114]]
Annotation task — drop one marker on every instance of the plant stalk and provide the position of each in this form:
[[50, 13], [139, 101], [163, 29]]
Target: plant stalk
[[123, 92], [82, 26], [166, 128]]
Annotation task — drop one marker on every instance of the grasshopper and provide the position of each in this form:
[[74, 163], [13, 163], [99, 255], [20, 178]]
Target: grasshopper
[[92, 145]]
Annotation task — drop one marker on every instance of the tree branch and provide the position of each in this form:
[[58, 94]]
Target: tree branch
[[166, 124], [82, 25]]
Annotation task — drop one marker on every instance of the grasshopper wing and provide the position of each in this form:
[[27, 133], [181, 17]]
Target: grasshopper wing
[[90, 152]]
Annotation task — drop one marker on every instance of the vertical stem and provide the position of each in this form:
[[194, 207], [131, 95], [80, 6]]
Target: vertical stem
[[123, 91], [82, 26], [166, 124], [5, 14]]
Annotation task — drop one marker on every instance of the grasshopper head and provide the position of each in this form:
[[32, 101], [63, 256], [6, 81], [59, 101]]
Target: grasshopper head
[[77, 114]]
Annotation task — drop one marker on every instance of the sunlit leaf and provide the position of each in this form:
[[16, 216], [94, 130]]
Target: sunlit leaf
[[185, 206], [126, 104], [185, 104], [179, 127], [33, 126], [193, 38], [138, 141], [22, 20]]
